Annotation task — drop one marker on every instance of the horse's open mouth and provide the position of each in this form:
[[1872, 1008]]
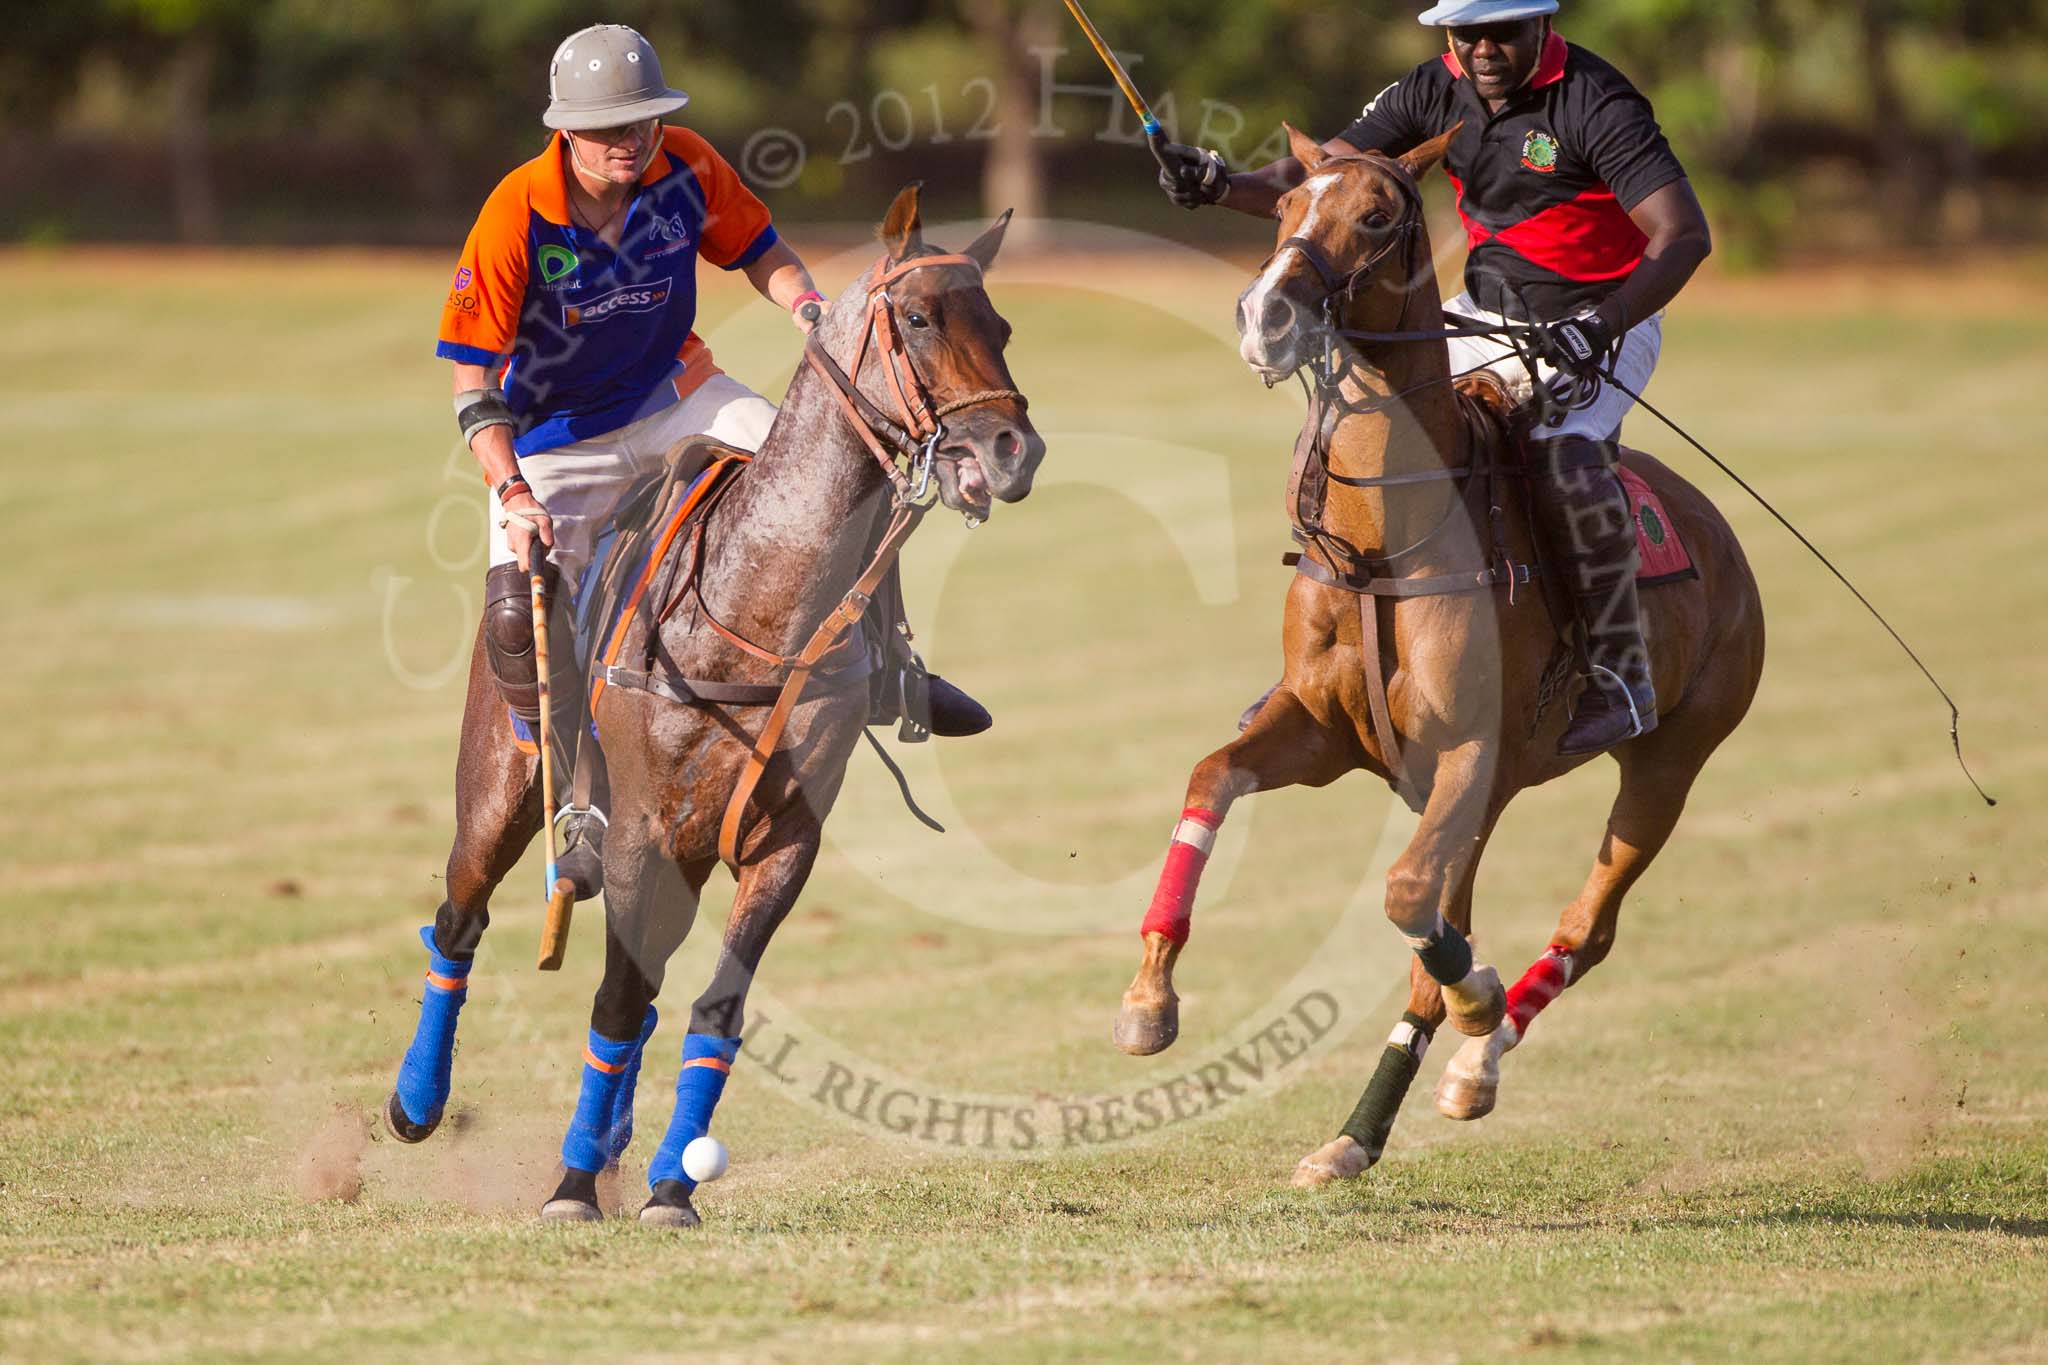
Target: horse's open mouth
[[970, 486]]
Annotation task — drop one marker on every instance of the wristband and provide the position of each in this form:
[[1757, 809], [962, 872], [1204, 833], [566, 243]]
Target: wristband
[[476, 409], [808, 296], [510, 482]]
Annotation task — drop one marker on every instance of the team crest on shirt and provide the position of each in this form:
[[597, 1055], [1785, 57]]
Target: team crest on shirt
[[1539, 152]]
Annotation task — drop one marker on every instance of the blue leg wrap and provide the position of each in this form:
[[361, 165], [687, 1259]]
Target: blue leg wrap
[[423, 1077], [587, 1144], [706, 1062], [622, 1105]]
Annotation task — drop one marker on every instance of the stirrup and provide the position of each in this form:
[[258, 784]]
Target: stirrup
[[1628, 694]]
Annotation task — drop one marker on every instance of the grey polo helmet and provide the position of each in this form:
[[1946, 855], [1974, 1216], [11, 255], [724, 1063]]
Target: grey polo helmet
[[604, 76], [1457, 13]]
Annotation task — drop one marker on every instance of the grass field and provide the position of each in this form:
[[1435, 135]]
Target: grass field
[[1802, 1113]]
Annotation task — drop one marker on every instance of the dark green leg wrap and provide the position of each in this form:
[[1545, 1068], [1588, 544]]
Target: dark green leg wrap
[[1372, 1122]]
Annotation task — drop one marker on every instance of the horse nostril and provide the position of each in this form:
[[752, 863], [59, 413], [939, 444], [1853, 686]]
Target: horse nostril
[[1008, 443], [1276, 317]]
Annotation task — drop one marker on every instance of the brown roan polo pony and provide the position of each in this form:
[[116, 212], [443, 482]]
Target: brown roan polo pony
[[736, 688], [1416, 599]]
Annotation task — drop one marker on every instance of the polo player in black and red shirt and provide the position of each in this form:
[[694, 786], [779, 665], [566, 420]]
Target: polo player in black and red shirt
[[1579, 218]]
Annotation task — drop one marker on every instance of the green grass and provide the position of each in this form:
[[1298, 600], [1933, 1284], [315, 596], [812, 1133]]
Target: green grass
[[1799, 1115]]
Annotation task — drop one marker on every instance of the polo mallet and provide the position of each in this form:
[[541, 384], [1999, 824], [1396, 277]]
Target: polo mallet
[[561, 892], [1154, 134]]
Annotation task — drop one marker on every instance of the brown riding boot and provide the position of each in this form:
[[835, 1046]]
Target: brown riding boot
[[1584, 512], [901, 690]]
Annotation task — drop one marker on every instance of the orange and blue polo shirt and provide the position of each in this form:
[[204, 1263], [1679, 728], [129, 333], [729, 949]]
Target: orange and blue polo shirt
[[589, 338]]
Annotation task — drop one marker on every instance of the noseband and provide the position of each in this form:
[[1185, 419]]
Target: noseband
[[913, 438]]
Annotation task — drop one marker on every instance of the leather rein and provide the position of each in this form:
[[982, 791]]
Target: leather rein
[[906, 447]]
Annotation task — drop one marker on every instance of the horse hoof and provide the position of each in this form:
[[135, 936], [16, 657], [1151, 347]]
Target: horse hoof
[[1464, 1098], [1143, 1030], [1342, 1159], [1470, 1085], [570, 1211], [1477, 1004], [669, 1207], [403, 1128]]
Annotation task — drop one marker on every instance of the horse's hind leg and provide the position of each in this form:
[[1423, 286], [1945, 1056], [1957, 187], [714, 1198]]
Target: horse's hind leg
[[1656, 777], [497, 813], [650, 907], [1284, 747]]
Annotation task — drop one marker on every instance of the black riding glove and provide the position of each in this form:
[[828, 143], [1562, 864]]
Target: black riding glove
[[1579, 346], [1193, 176]]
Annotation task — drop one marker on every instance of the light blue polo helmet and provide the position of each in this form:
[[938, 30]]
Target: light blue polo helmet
[[1458, 13]]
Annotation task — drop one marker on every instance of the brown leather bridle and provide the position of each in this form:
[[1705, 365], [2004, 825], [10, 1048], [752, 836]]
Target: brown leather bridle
[[912, 437], [915, 438]]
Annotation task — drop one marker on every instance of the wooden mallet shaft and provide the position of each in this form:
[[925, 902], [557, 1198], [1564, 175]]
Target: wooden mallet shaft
[[561, 892]]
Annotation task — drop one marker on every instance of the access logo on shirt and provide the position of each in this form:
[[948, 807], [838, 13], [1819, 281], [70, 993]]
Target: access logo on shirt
[[634, 298], [1539, 152]]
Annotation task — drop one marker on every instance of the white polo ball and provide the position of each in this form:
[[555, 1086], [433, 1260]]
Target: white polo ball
[[705, 1159]]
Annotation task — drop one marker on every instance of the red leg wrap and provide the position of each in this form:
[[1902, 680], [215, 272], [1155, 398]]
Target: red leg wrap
[[1173, 903], [1540, 985]]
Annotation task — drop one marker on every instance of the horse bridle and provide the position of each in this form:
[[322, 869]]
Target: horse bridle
[[1342, 288], [912, 439]]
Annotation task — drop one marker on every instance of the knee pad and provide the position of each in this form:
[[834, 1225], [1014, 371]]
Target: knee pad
[[508, 639]]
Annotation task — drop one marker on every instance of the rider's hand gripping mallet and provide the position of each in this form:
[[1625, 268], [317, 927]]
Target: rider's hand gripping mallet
[[561, 892], [1154, 134]]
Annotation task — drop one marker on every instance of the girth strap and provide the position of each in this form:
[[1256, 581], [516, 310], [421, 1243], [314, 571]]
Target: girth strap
[[702, 691], [1441, 585]]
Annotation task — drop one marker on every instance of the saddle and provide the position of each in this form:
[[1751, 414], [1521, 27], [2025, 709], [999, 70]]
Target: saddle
[[1493, 452]]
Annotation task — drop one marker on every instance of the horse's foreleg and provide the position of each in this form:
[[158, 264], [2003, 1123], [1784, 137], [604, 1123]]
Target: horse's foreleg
[[1428, 887], [649, 910], [768, 888], [1359, 1145], [1284, 747], [497, 813], [1646, 810]]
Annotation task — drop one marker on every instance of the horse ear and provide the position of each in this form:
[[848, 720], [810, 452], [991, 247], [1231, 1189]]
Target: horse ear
[[902, 231], [984, 248], [1306, 149], [1429, 155]]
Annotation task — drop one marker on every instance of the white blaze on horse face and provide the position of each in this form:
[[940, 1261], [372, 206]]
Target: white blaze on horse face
[[1253, 345]]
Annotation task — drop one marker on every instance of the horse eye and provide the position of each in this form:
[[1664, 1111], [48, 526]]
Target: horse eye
[[1377, 219], [917, 320]]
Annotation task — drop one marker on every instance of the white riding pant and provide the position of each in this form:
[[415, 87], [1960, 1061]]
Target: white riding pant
[[1599, 422], [581, 484]]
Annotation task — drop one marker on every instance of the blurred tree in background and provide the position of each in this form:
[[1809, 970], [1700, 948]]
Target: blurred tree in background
[[1865, 122]]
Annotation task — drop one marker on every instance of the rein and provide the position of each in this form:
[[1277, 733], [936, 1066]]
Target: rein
[[910, 439]]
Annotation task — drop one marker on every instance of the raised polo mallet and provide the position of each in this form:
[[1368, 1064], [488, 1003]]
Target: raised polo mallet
[[1154, 134], [561, 892]]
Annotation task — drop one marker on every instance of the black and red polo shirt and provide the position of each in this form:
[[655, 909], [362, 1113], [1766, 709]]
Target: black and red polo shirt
[[1544, 186]]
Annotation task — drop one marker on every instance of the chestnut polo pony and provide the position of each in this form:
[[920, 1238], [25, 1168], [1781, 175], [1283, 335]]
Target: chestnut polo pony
[[1415, 599]]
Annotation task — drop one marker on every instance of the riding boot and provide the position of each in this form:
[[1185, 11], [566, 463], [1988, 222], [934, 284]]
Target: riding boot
[[508, 646], [901, 690], [1584, 512]]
